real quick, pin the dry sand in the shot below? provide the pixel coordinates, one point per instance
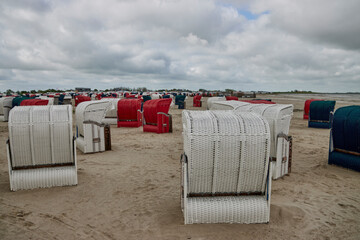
(133, 191)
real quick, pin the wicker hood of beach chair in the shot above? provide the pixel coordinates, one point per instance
(41, 147)
(344, 149)
(226, 175)
(90, 136)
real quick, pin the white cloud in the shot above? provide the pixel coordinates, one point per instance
(307, 44)
(194, 40)
(335, 21)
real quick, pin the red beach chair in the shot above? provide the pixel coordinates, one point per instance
(129, 113)
(197, 101)
(156, 117)
(131, 96)
(81, 98)
(228, 98)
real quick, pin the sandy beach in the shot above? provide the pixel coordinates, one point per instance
(133, 191)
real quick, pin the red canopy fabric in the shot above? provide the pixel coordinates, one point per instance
(152, 107)
(127, 109)
(34, 102)
(197, 101)
(81, 98)
(228, 98)
(130, 96)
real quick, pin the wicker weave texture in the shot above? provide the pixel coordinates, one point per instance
(211, 100)
(90, 130)
(2, 105)
(155, 96)
(93, 139)
(281, 165)
(43, 178)
(278, 117)
(224, 148)
(239, 209)
(90, 111)
(111, 113)
(41, 136)
(228, 153)
(227, 105)
(5, 107)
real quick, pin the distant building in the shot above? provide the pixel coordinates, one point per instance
(82, 89)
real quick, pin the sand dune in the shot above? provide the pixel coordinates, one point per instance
(133, 192)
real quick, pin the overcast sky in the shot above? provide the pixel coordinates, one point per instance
(271, 45)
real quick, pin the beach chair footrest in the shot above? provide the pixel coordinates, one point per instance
(230, 209)
(43, 178)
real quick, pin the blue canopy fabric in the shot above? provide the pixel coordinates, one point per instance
(179, 98)
(345, 134)
(346, 128)
(320, 110)
(319, 114)
(146, 98)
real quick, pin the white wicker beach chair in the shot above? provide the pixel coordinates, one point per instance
(67, 100)
(155, 96)
(226, 175)
(90, 129)
(111, 113)
(5, 107)
(227, 105)
(279, 117)
(41, 147)
(211, 100)
(2, 109)
(173, 100)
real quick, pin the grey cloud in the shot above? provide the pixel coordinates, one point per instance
(336, 22)
(185, 44)
(34, 5)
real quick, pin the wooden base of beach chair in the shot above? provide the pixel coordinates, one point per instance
(282, 162)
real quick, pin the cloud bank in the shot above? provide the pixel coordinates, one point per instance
(275, 45)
